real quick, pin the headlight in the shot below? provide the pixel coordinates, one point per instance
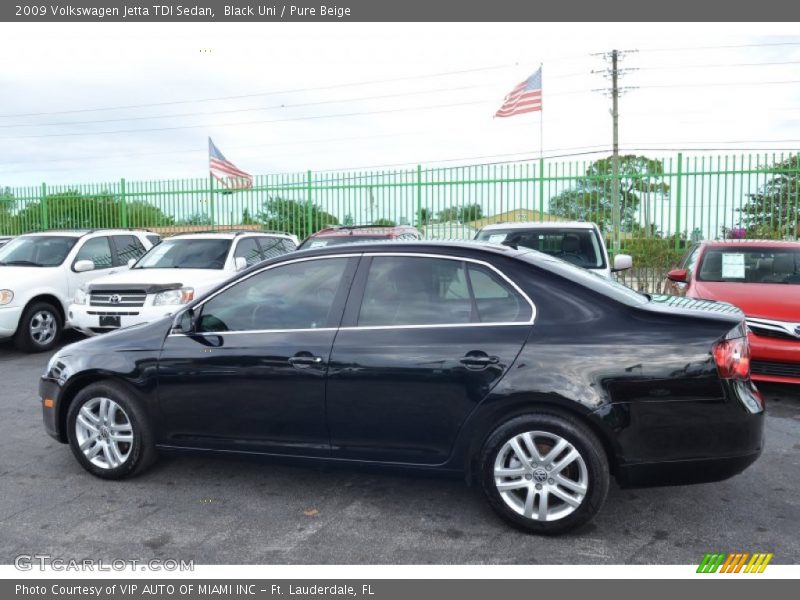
(81, 297)
(179, 296)
(6, 296)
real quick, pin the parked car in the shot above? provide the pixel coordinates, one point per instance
(178, 270)
(576, 242)
(535, 378)
(4, 240)
(763, 279)
(348, 234)
(40, 272)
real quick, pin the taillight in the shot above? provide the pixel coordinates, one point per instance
(733, 358)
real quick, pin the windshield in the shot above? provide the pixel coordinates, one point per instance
(180, 253)
(750, 265)
(580, 247)
(594, 281)
(37, 251)
(322, 242)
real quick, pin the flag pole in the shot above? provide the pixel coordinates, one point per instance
(541, 146)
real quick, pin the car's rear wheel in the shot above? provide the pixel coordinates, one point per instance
(39, 328)
(544, 473)
(108, 432)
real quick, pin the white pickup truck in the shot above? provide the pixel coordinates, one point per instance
(40, 273)
(576, 242)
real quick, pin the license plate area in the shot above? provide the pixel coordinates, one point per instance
(110, 321)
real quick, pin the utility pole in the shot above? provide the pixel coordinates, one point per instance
(615, 217)
(614, 72)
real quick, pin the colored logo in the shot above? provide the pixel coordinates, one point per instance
(739, 562)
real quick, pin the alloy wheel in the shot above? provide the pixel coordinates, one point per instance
(541, 476)
(43, 327)
(104, 433)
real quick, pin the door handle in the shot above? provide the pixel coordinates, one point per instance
(303, 360)
(478, 360)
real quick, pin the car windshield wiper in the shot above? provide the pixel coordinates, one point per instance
(20, 262)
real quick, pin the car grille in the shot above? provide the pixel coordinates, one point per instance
(121, 299)
(779, 369)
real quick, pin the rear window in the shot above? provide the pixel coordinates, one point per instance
(580, 247)
(750, 265)
(594, 281)
(182, 253)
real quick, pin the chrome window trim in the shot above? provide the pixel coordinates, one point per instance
(371, 327)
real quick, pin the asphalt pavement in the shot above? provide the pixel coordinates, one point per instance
(216, 510)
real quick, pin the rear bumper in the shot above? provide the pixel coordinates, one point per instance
(684, 472)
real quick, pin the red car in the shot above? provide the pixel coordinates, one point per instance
(347, 234)
(763, 279)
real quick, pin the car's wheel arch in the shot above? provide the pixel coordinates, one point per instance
(74, 386)
(50, 299)
(494, 416)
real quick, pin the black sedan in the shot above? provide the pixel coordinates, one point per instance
(535, 379)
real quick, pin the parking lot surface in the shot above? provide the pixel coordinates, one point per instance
(217, 510)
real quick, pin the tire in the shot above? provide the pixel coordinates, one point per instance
(519, 502)
(39, 329)
(124, 418)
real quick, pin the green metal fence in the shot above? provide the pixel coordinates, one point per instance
(664, 203)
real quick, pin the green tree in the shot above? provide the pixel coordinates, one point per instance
(73, 210)
(247, 219)
(774, 209)
(470, 212)
(7, 204)
(590, 198)
(384, 223)
(425, 216)
(449, 214)
(293, 217)
(198, 218)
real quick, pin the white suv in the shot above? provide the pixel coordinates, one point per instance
(40, 273)
(576, 242)
(173, 273)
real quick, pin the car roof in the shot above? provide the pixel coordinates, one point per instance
(82, 232)
(540, 225)
(358, 230)
(767, 243)
(226, 235)
(415, 246)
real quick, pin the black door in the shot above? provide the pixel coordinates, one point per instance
(253, 376)
(424, 340)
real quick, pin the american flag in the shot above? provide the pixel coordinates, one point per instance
(224, 171)
(524, 98)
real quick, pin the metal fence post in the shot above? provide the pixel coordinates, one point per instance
(419, 196)
(123, 207)
(45, 212)
(309, 204)
(211, 208)
(678, 202)
(541, 189)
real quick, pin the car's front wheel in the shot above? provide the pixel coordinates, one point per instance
(108, 432)
(39, 328)
(544, 473)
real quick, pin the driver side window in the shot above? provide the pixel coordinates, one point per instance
(293, 296)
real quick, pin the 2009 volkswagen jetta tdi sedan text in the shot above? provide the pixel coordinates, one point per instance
(538, 380)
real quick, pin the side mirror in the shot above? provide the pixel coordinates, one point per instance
(678, 275)
(240, 263)
(84, 265)
(622, 262)
(184, 322)
(132, 262)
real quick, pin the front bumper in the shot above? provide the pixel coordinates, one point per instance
(86, 319)
(774, 359)
(50, 398)
(9, 320)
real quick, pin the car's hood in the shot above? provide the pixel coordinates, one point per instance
(203, 278)
(11, 277)
(779, 301)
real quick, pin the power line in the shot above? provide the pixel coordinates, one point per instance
(719, 47)
(263, 94)
(715, 65)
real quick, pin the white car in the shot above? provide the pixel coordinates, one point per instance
(40, 273)
(174, 272)
(577, 242)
